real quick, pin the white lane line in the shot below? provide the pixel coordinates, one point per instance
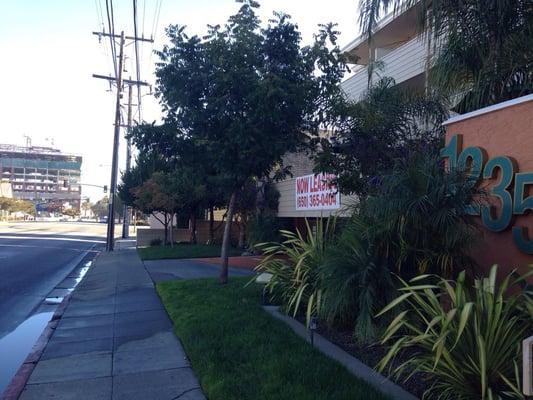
(51, 238)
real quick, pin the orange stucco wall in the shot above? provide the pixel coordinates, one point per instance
(509, 132)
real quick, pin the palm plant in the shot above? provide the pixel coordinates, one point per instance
(420, 217)
(371, 134)
(465, 337)
(294, 265)
(486, 46)
(356, 281)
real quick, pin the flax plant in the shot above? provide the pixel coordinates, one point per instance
(294, 264)
(465, 337)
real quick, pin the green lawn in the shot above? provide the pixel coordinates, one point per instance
(239, 351)
(183, 250)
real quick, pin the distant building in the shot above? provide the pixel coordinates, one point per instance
(43, 175)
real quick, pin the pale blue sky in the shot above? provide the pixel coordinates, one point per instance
(49, 55)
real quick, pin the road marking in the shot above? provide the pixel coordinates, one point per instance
(51, 238)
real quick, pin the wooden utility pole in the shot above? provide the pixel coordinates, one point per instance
(126, 216)
(110, 242)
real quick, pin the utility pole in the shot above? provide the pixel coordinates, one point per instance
(126, 217)
(110, 243)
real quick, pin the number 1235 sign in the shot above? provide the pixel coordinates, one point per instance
(512, 198)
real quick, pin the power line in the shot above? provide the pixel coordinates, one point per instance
(111, 26)
(137, 63)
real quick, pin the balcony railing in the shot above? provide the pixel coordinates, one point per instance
(401, 64)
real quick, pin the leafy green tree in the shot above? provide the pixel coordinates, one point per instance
(154, 197)
(388, 124)
(16, 205)
(101, 207)
(248, 95)
(486, 46)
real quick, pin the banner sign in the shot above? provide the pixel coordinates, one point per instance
(317, 192)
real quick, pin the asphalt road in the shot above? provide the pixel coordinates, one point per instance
(34, 258)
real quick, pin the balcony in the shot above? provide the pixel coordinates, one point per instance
(402, 63)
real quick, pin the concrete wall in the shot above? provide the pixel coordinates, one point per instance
(505, 129)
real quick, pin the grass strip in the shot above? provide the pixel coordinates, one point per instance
(183, 250)
(239, 351)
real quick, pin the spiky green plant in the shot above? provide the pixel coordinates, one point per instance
(294, 265)
(419, 217)
(356, 281)
(464, 336)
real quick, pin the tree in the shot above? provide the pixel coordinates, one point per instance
(16, 205)
(71, 212)
(86, 206)
(101, 207)
(189, 193)
(154, 197)
(486, 46)
(388, 124)
(248, 95)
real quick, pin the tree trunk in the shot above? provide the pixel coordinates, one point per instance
(211, 225)
(171, 230)
(227, 239)
(166, 229)
(193, 238)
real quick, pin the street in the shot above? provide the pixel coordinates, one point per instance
(35, 257)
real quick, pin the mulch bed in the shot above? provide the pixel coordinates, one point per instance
(371, 355)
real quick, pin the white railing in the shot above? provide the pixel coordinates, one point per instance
(401, 64)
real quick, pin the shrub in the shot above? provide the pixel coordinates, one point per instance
(419, 219)
(294, 265)
(356, 281)
(465, 336)
(262, 228)
(156, 242)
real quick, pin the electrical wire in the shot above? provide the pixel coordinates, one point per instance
(111, 25)
(137, 64)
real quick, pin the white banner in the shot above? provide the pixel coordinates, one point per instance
(317, 192)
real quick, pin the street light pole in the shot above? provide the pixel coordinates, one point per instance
(110, 244)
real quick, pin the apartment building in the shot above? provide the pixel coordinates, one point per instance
(397, 51)
(43, 175)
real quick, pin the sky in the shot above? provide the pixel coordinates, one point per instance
(49, 55)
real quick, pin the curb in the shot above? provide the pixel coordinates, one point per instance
(18, 382)
(352, 364)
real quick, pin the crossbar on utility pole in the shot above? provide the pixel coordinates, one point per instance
(125, 81)
(140, 39)
(110, 241)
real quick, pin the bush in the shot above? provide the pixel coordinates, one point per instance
(465, 336)
(262, 228)
(420, 218)
(156, 242)
(356, 281)
(294, 265)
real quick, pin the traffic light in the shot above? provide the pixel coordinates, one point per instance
(105, 188)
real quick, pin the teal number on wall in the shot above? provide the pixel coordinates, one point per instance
(471, 160)
(451, 151)
(489, 215)
(521, 205)
(511, 202)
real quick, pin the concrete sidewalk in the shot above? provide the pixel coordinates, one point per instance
(114, 341)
